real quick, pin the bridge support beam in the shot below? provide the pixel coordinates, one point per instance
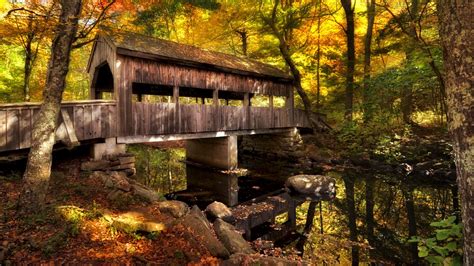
(110, 147)
(215, 152)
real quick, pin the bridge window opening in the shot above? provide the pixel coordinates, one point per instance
(231, 98)
(188, 100)
(189, 95)
(151, 93)
(103, 82)
(106, 95)
(279, 101)
(236, 103)
(260, 100)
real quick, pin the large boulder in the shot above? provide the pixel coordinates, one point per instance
(175, 208)
(117, 181)
(202, 233)
(311, 187)
(135, 221)
(232, 240)
(143, 191)
(113, 180)
(219, 210)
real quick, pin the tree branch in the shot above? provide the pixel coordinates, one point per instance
(11, 11)
(86, 31)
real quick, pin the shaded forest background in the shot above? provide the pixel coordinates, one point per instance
(374, 67)
(394, 83)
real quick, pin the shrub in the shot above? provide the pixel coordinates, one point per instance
(445, 247)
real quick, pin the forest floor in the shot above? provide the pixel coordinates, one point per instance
(84, 236)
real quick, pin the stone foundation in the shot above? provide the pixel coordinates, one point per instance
(121, 163)
(110, 147)
(283, 145)
(215, 152)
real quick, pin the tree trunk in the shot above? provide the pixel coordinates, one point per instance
(407, 104)
(411, 215)
(283, 38)
(244, 39)
(318, 61)
(349, 184)
(307, 227)
(350, 37)
(38, 170)
(29, 60)
(457, 38)
(369, 212)
(297, 77)
(367, 58)
(407, 92)
(27, 68)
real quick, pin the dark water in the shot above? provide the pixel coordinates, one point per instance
(369, 221)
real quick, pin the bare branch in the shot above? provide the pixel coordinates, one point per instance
(81, 44)
(334, 19)
(85, 32)
(25, 10)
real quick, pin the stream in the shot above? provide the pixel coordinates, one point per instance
(370, 221)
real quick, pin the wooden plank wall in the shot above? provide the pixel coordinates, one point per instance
(129, 70)
(153, 72)
(300, 119)
(91, 120)
(170, 118)
(102, 52)
(98, 119)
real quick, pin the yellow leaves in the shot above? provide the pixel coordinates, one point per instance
(4, 7)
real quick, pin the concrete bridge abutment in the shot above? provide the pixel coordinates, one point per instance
(215, 152)
(108, 148)
(285, 145)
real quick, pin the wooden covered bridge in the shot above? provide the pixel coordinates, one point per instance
(145, 89)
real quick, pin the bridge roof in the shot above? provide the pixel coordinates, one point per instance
(141, 46)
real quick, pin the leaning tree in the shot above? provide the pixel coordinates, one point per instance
(38, 170)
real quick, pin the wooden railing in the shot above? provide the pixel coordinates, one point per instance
(170, 118)
(84, 119)
(94, 119)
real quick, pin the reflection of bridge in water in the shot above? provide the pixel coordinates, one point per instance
(255, 201)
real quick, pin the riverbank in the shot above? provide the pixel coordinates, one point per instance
(408, 185)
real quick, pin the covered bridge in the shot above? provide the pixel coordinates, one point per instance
(145, 89)
(163, 87)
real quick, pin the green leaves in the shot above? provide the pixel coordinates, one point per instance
(444, 223)
(442, 234)
(445, 247)
(423, 251)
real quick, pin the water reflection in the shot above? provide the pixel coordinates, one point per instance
(224, 187)
(373, 218)
(370, 221)
(161, 169)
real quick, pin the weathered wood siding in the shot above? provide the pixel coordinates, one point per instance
(154, 72)
(102, 52)
(170, 118)
(90, 119)
(300, 119)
